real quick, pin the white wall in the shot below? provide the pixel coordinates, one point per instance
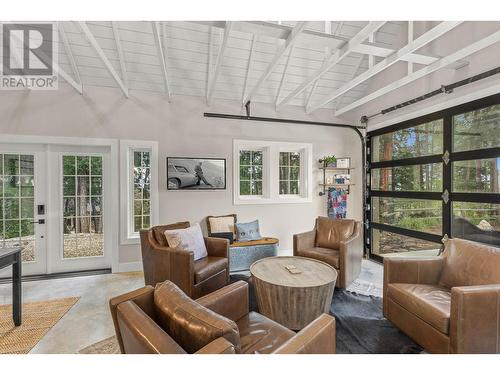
(181, 130)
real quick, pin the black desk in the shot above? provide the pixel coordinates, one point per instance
(12, 257)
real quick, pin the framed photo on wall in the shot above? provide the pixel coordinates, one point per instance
(196, 173)
(344, 163)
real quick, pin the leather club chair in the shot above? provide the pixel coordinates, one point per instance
(450, 303)
(164, 320)
(337, 242)
(196, 278)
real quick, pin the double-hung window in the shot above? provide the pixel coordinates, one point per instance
(272, 172)
(139, 188)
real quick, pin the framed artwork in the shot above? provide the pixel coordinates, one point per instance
(196, 173)
(344, 163)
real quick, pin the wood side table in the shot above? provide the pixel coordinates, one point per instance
(293, 300)
(12, 256)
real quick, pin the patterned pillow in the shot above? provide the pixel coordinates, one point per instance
(188, 239)
(221, 224)
(248, 231)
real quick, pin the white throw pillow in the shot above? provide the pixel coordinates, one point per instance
(222, 224)
(188, 239)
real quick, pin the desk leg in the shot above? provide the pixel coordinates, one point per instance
(17, 290)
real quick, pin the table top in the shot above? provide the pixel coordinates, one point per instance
(262, 241)
(9, 251)
(313, 272)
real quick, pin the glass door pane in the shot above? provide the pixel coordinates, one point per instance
(82, 200)
(17, 203)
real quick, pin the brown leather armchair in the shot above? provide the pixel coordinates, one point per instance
(450, 303)
(163, 320)
(337, 242)
(196, 278)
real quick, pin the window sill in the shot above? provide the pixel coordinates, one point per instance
(131, 240)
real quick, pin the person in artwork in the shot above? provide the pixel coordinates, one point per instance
(199, 175)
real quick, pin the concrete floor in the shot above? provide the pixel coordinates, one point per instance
(89, 320)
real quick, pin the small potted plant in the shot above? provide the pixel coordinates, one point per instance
(329, 161)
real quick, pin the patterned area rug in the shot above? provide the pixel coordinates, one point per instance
(38, 318)
(106, 346)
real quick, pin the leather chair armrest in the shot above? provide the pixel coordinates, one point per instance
(143, 297)
(218, 346)
(475, 319)
(318, 337)
(230, 301)
(217, 247)
(351, 255)
(140, 333)
(303, 241)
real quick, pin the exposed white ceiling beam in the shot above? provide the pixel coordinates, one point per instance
(283, 76)
(421, 41)
(371, 58)
(354, 72)
(69, 52)
(218, 63)
(121, 57)
(161, 57)
(249, 68)
(97, 48)
(210, 54)
(292, 37)
(441, 63)
(340, 54)
(410, 39)
(315, 84)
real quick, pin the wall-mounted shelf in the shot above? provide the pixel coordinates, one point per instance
(325, 185)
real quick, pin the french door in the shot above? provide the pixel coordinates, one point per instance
(53, 204)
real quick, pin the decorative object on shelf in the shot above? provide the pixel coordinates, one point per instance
(342, 179)
(196, 174)
(344, 163)
(329, 161)
(337, 203)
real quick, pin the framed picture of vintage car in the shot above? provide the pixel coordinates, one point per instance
(185, 173)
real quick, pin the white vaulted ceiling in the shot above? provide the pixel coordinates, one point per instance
(258, 59)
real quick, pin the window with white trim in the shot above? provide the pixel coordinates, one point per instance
(139, 188)
(272, 172)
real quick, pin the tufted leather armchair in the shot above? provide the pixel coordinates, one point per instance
(196, 278)
(164, 320)
(450, 303)
(337, 242)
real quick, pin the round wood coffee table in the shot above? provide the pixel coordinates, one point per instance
(293, 299)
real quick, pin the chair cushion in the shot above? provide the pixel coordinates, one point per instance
(330, 232)
(260, 335)
(190, 324)
(470, 263)
(430, 303)
(159, 231)
(205, 268)
(329, 256)
(188, 239)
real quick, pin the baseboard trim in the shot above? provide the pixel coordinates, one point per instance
(130, 267)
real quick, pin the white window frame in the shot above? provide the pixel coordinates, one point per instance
(270, 171)
(127, 149)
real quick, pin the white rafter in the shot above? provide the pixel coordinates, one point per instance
(354, 72)
(290, 40)
(161, 57)
(421, 41)
(315, 84)
(410, 39)
(340, 54)
(249, 67)
(210, 53)
(218, 63)
(283, 76)
(441, 63)
(97, 48)
(69, 52)
(121, 57)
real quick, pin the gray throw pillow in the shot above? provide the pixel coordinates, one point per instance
(248, 231)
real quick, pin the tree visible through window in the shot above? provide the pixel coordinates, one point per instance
(142, 189)
(289, 173)
(251, 172)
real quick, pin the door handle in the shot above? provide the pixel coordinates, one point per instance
(39, 221)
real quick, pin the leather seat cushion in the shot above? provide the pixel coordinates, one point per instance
(260, 335)
(430, 303)
(330, 232)
(205, 268)
(329, 256)
(190, 324)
